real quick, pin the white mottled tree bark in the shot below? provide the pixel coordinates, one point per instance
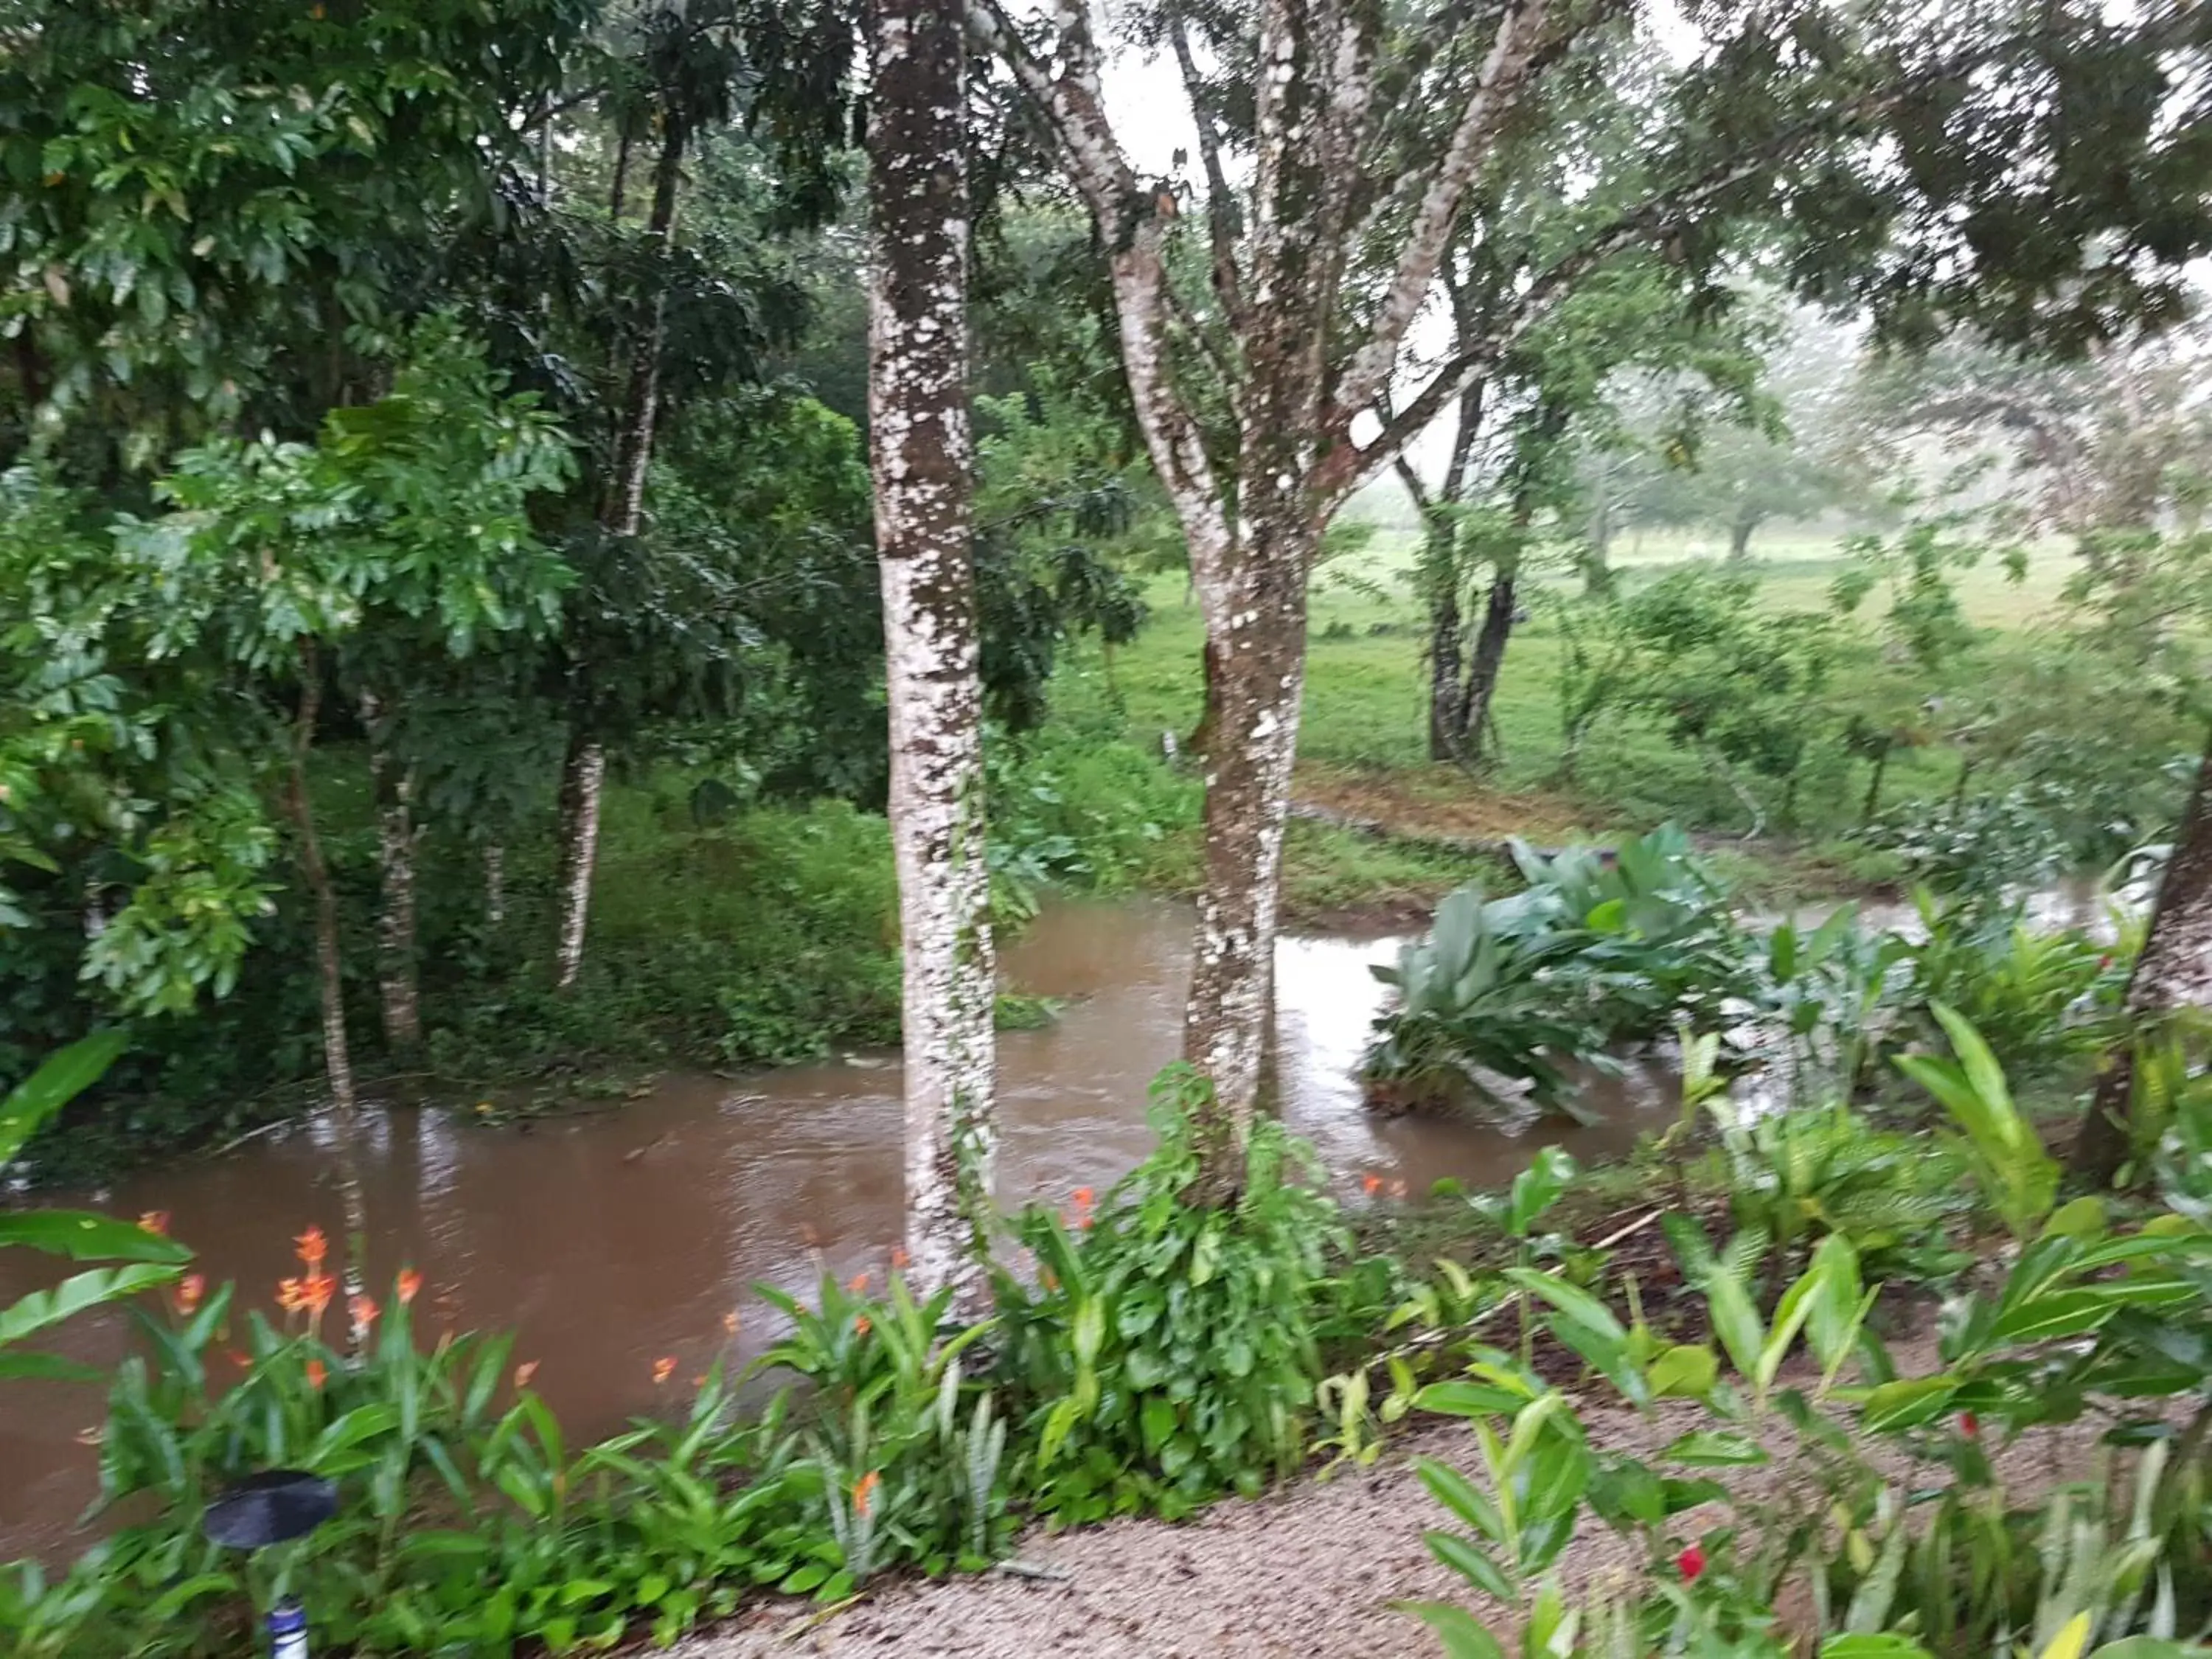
(583, 783)
(391, 783)
(2175, 972)
(922, 455)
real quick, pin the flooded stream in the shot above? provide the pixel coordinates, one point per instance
(613, 1238)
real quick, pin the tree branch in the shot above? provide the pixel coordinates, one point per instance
(1220, 202)
(1513, 53)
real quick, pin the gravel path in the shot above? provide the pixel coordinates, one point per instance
(1308, 1571)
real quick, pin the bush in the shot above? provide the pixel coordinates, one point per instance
(1593, 950)
(1166, 1354)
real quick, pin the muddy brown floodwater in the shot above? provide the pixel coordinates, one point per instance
(609, 1239)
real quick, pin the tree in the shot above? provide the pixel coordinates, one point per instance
(1319, 267)
(922, 451)
(2173, 973)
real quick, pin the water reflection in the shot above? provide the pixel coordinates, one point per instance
(612, 1237)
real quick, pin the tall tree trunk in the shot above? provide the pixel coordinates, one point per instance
(1252, 710)
(583, 773)
(1740, 531)
(922, 453)
(1597, 556)
(1872, 803)
(583, 781)
(1447, 700)
(2173, 972)
(330, 968)
(392, 785)
(1489, 658)
(494, 860)
(625, 502)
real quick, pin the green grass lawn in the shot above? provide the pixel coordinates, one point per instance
(1363, 720)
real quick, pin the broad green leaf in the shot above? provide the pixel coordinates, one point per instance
(59, 1081)
(1461, 1496)
(1884, 1646)
(84, 1236)
(1907, 1403)
(1470, 1563)
(2072, 1639)
(1461, 1633)
(46, 1367)
(74, 1295)
(1714, 1449)
(1455, 1398)
(1686, 1371)
(1578, 1303)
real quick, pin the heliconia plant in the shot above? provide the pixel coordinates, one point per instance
(148, 1257)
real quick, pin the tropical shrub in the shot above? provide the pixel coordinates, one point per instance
(1474, 1010)
(150, 1259)
(2028, 993)
(2083, 1321)
(1166, 1354)
(1656, 938)
(911, 1452)
(1595, 949)
(1798, 1175)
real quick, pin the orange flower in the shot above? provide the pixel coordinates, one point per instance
(730, 1322)
(313, 1246)
(365, 1313)
(663, 1369)
(523, 1373)
(863, 1489)
(411, 1283)
(1087, 1222)
(899, 1258)
(316, 1374)
(1082, 1195)
(1370, 1184)
(858, 1285)
(316, 1292)
(290, 1296)
(861, 1326)
(156, 1222)
(190, 1289)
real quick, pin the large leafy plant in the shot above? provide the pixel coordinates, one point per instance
(1476, 1013)
(1167, 1350)
(148, 1259)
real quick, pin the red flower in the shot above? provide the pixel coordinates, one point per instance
(313, 1246)
(858, 1285)
(1082, 1196)
(190, 1289)
(411, 1283)
(863, 1489)
(1969, 1425)
(1690, 1563)
(1370, 1184)
(156, 1222)
(899, 1258)
(365, 1313)
(861, 1326)
(316, 1374)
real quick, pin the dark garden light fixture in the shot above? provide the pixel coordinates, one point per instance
(277, 1506)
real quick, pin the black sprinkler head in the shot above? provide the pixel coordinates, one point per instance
(274, 1507)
